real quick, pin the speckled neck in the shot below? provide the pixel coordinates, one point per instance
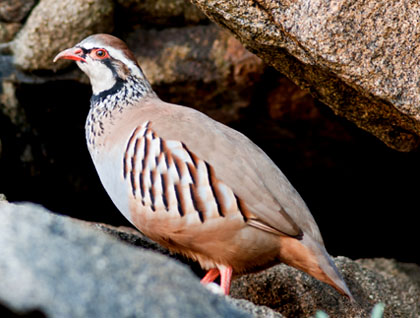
(123, 95)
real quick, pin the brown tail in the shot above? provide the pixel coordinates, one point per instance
(312, 258)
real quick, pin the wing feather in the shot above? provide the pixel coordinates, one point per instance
(274, 205)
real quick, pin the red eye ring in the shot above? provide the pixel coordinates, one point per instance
(100, 53)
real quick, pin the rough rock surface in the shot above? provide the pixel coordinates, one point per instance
(293, 293)
(360, 58)
(160, 12)
(15, 10)
(332, 164)
(201, 66)
(255, 311)
(46, 32)
(8, 31)
(44, 254)
(62, 268)
(301, 296)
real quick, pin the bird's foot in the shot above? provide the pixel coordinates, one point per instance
(226, 276)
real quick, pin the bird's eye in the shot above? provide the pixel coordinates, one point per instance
(101, 53)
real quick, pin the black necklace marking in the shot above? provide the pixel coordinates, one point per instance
(98, 98)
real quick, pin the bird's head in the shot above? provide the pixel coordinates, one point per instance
(106, 60)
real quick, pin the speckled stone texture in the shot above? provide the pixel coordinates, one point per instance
(359, 57)
(60, 267)
(295, 294)
(15, 10)
(12, 13)
(8, 31)
(183, 63)
(55, 25)
(292, 293)
(161, 12)
(43, 254)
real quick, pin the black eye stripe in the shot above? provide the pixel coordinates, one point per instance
(85, 51)
(88, 51)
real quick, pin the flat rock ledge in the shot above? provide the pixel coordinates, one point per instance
(56, 266)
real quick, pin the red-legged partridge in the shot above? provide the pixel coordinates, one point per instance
(191, 183)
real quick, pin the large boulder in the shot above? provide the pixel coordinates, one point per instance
(55, 25)
(62, 268)
(293, 293)
(360, 58)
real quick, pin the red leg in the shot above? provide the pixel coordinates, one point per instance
(211, 275)
(226, 277)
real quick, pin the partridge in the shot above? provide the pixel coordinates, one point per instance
(188, 182)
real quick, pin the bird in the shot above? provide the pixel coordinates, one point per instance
(190, 183)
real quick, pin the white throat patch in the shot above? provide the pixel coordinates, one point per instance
(101, 76)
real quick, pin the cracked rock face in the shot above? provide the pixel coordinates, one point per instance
(360, 58)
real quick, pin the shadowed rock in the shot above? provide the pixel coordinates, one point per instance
(160, 12)
(15, 10)
(202, 66)
(293, 293)
(55, 25)
(60, 267)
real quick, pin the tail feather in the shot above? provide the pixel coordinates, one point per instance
(332, 276)
(312, 258)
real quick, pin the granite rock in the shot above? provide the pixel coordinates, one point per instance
(360, 58)
(201, 66)
(59, 267)
(160, 13)
(56, 266)
(8, 31)
(15, 10)
(295, 294)
(292, 293)
(254, 310)
(46, 32)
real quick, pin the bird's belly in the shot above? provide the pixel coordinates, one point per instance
(225, 240)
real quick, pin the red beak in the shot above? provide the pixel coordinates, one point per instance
(73, 53)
